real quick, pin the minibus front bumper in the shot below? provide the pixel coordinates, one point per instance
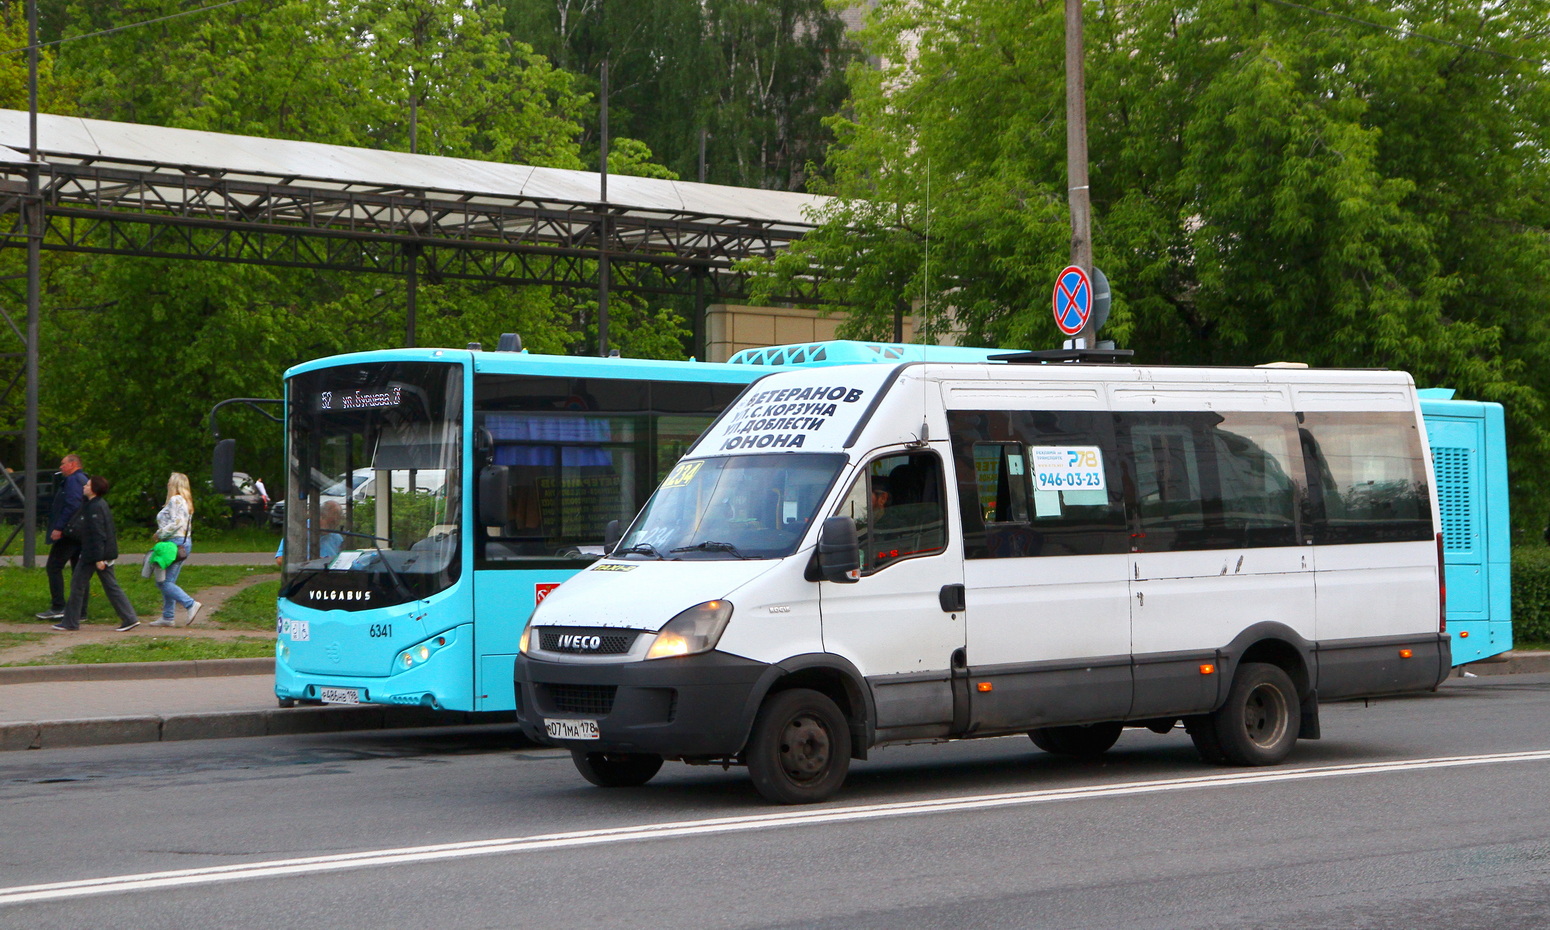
(694, 706)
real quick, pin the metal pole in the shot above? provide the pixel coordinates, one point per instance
(1076, 155)
(34, 214)
(602, 227)
(411, 293)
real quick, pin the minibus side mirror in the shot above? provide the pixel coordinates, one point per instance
(611, 536)
(221, 467)
(839, 555)
(494, 493)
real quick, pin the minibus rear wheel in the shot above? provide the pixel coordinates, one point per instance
(616, 769)
(1082, 742)
(799, 750)
(1259, 723)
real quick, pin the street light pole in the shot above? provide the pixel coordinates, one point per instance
(1078, 194)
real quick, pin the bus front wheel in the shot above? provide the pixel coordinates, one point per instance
(1258, 725)
(799, 751)
(616, 769)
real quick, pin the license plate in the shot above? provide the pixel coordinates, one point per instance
(339, 695)
(572, 729)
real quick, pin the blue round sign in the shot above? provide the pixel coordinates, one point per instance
(1073, 300)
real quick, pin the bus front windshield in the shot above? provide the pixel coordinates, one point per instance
(732, 507)
(373, 491)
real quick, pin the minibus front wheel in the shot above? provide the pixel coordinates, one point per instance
(799, 750)
(616, 769)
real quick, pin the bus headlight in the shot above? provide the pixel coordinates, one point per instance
(696, 630)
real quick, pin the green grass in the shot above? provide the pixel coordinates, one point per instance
(7, 640)
(252, 608)
(24, 591)
(158, 649)
(218, 538)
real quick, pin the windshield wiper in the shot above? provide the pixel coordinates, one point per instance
(639, 549)
(710, 545)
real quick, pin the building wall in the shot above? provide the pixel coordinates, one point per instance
(731, 328)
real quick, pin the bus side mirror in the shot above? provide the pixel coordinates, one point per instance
(839, 555)
(494, 494)
(612, 533)
(220, 468)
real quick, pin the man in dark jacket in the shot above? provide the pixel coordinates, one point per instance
(99, 550)
(63, 549)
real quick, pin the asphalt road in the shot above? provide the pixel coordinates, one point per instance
(1422, 812)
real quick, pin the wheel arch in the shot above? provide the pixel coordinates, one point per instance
(1275, 644)
(829, 675)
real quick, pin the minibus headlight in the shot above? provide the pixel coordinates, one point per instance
(696, 630)
(527, 631)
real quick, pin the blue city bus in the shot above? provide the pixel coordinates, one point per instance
(1469, 455)
(434, 496)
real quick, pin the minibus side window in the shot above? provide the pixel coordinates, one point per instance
(1367, 476)
(1006, 514)
(1212, 480)
(899, 509)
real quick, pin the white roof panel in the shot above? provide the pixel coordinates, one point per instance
(67, 138)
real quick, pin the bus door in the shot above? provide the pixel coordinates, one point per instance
(902, 623)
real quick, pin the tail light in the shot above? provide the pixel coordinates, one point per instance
(1442, 590)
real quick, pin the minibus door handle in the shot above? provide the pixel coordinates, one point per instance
(951, 597)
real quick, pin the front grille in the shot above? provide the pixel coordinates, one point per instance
(583, 641)
(597, 700)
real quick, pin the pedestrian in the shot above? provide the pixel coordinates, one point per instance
(63, 549)
(93, 526)
(263, 493)
(175, 524)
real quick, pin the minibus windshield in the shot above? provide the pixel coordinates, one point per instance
(732, 507)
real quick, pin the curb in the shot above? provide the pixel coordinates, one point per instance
(126, 671)
(104, 731)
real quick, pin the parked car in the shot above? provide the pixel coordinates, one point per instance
(13, 505)
(246, 504)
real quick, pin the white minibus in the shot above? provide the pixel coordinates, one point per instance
(852, 557)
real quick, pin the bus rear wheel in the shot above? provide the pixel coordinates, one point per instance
(1082, 742)
(616, 769)
(1259, 723)
(799, 751)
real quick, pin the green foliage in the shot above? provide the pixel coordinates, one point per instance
(758, 77)
(1267, 183)
(1530, 595)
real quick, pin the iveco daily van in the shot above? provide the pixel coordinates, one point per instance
(852, 557)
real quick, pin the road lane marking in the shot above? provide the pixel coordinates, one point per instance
(310, 865)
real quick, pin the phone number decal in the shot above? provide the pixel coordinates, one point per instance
(1067, 468)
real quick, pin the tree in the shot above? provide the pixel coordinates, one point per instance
(154, 344)
(1365, 189)
(757, 76)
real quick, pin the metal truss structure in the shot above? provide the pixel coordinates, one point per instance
(125, 189)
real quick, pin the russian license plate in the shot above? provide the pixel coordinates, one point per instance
(572, 729)
(339, 695)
